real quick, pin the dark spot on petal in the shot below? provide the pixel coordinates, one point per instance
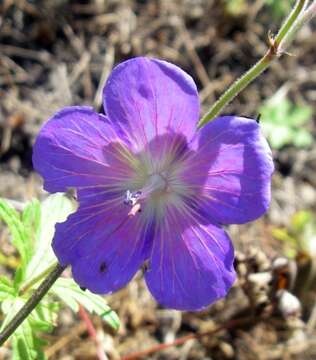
(83, 288)
(144, 92)
(102, 267)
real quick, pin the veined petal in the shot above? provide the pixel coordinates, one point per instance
(78, 147)
(104, 246)
(233, 168)
(190, 267)
(145, 98)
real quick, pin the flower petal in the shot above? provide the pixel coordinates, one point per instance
(77, 147)
(104, 246)
(190, 268)
(233, 165)
(147, 97)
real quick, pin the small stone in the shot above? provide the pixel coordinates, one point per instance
(288, 304)
(260, 279)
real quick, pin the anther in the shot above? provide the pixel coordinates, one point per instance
(131, 197)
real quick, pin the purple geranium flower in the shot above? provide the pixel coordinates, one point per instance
(151, 188)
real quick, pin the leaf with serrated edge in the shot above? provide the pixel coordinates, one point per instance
(12, 218)
(71, 294)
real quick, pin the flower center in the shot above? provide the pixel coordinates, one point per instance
(156, 184)
(155, 189)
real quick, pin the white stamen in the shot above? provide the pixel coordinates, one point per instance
(134, 199)
(131, 197)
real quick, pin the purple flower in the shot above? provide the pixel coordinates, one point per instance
(152, 189)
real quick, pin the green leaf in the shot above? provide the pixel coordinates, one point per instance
(23, 344)
(279, 9)
(303, 139)
(18, 277)
(279, 136)
(19, 236)
(282, 122)
(31, 215)
(6, 288)
(37, 255)
(32, 233)
(45, 315)
(10, 306)
(56, 208)
(71, 294)
(26, 341)
(31, 219)
(26, 344)
(300, 115)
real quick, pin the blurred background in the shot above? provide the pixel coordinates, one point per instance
(59, 53)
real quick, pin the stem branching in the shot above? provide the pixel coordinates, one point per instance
(276, 49)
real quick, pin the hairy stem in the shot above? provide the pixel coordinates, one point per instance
(237, 87)
(273, 52)
(29, 306)
(289, 22)
(304, 18)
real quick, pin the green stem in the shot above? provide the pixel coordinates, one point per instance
(285, 28)
(304, 18)
(29, 284)
(29, 306)
(272, 53)
(236, 88)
